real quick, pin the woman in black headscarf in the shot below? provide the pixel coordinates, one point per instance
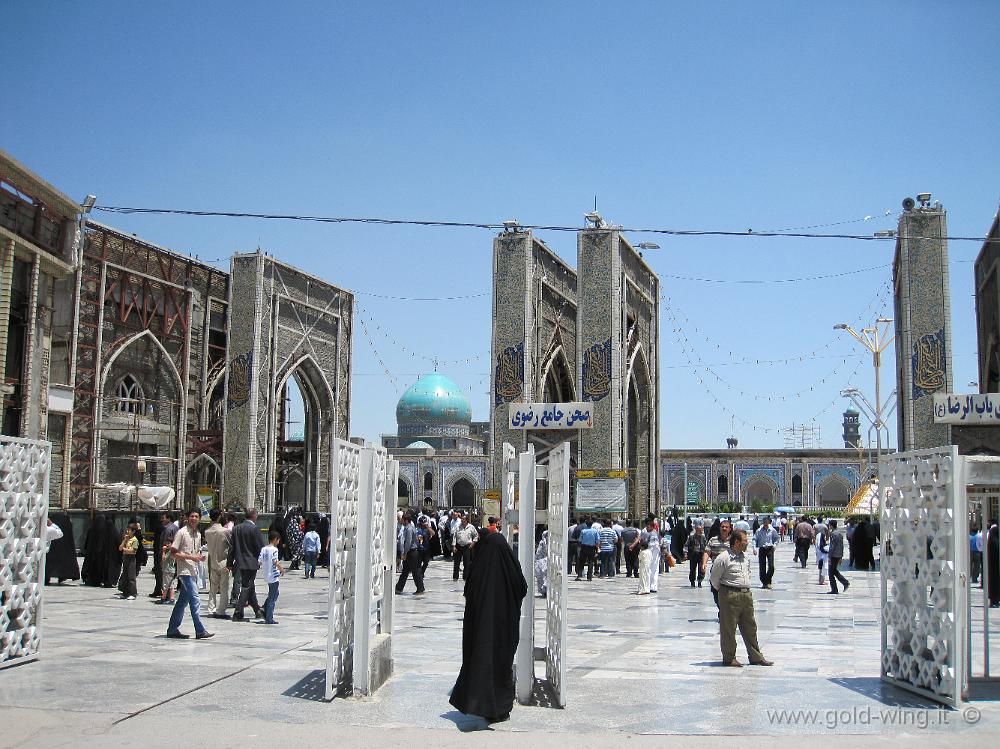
(95, 567)
(60, 560)
(113, 557)
(493, 594)
(679, 537)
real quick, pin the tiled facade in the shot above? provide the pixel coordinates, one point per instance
(923, 325)
(797, 478)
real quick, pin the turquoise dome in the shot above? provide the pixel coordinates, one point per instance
(433, 399)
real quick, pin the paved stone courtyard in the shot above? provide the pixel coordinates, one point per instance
(641, 665)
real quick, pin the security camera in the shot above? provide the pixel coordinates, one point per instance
(924, 198)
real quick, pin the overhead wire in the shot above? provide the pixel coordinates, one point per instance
(492, 225)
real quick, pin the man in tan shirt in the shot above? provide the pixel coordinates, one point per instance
(217, 539)
(731, 577)
(186, 551)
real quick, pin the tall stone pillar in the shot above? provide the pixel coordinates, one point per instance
(618, 359)
(923, 323)
(513, 340)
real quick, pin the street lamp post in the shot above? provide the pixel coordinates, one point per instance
(875, 339)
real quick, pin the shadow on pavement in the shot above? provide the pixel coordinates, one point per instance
(311, 687)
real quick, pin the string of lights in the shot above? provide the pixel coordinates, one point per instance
(496, 226)
(378, 358)
(689, 354)
(877, 299)
(436, 360)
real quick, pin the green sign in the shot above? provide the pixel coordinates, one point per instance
(692, 493)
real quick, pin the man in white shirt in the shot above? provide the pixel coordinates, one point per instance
(186, 551)
(465, 539)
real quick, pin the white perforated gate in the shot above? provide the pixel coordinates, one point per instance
(925, 555)
(557, 522)
(361, 560)
(555, 603)
(24, 503)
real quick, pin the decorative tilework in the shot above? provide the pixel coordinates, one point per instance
(775, 473)
(597, 372)
(929, 362)
(819, 473)
(509, 376)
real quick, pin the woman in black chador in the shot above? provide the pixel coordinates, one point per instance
(95, 565)
(60, 559)
(493, 595)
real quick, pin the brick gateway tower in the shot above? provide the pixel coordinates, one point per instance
(588, 335)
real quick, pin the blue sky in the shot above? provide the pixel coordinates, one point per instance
(680, 115)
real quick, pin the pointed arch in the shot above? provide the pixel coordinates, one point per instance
(131, 341)
(556, 385)
(834, 489)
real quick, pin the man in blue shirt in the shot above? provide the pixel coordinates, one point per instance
(409, 549)
(764, 540)
(589, 539)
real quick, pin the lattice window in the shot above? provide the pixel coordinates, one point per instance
(130, 398)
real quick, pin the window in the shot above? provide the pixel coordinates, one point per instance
(428, 481)
(723, 485)
(131, 399)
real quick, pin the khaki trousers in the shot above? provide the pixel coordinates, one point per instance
(736, 610)
(218, 587)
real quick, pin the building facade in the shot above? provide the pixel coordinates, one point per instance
(40, 245)
(755, 478)
(590, 334)
(441, 451)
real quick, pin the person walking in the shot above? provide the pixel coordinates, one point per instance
(975, 555)
(310, 551)
(804, 534)
(218, 540)
(835, 552)
(618, 528)
(158, 556)
(493, 594)
(821, 532)
(589, 540)
(764, 541)
(409, 551)
(641, 546)
(696, 553)
(466, 536)
(186, 552)
(244, 555)
(272, 569)
(653, 529)
(731, 577)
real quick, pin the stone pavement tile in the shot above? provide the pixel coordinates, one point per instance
(634, 664)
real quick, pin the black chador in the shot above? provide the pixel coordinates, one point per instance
(95, 566)
(493, 594)
(60, 560)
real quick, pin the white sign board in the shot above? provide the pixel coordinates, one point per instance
(602, 495)
(551, 415)
(976, 408)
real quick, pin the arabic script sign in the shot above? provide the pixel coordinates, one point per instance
(978, 408)
(551, 415)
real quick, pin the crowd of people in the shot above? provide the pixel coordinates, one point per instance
(226, 557)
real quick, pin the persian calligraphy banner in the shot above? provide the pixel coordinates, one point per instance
(974, 408)
(551, 415)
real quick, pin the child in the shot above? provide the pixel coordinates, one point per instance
(310, 551)
(268, 562)
(128, 547)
